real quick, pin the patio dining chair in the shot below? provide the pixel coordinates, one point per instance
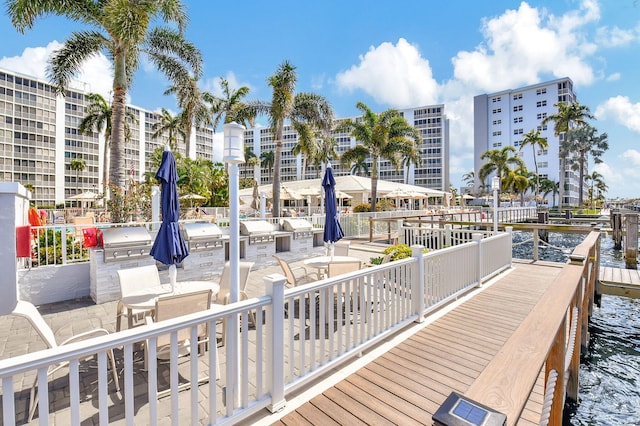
(135, 279)
(174, 306)
(341, 248)
(224, 294)
(289, 272)
(339, 268)
(30, 312)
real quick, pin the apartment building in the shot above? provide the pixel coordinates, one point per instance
(502, 118)
(432, 172)
(39, 138)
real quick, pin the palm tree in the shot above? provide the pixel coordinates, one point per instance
(169, 126)
(498, 162)
(517, 182)
(248, 157)
(195, 111)
(533, 139)
(469, 178)
(78, 165)
(300, 108)
(267, 160)
(409, 158)
(569, 115)
(98, 118)
(547, 186)
(327, 150)
(307, 146)
(122, 31)
(594, 179)
(359, 165)
(387, 135)
(231, 106)
(584, 141)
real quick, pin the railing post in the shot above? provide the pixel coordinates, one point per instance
(418, 295)
(555, 361)
(447, 235)
(477, 237)
(509, 230)
(370, 229)
(274, 286)
(401, 234)
(536, 238)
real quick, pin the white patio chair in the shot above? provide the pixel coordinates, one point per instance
(224, 294)
(341, 248)
(30, 312)
(174, 306)
(135, 279)
(293, 279)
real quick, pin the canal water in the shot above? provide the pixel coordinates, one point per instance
(610, 373)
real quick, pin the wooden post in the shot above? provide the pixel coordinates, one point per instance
(631, 240)
(370, 229)
(555, 361)
(616, 225)
(536, 236)
(543, 217)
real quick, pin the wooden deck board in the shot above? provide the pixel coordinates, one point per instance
(409, 382)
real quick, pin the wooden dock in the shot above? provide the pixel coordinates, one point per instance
(619, 282)
(407, 384)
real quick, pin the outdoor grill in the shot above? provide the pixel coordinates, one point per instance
(258, 231)
(301, 228)
(125, 243)
(202, 235)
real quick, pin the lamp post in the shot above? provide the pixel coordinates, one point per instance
(233, 155)
(495, 185)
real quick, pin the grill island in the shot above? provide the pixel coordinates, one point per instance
(125, 243)
(206, 251)
(124, 247)
(261, 239)
(301, 240)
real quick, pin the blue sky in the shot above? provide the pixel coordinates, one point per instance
(403, 54)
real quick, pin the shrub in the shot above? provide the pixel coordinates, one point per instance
(400, 251)
(360, 208)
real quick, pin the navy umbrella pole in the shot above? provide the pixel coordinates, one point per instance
(332, 229)
(169, 246)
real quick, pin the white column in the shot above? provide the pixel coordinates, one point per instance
(14, 206)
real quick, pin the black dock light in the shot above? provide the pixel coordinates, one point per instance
(457, 410)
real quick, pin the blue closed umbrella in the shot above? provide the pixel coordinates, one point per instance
(332, 229)
(169, 246)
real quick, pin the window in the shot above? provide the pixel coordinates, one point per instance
(541, 128)
(497, 144)
(517, 108)
(541, 116)
(497, 110)
(517, 119)
(517, 143)
(541, 91)
(517, 96)
(496, 99)
(543, 151)
(543, 164)
(518, 131)
(497, 133)
(495, 122)
(541, 104)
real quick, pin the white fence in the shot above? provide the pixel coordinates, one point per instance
(297, 335)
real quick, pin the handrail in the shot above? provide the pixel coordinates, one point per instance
(506, 383)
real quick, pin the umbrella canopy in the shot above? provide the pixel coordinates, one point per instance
(169, 246)
(192, 197)
(84, 196)
(332, 229)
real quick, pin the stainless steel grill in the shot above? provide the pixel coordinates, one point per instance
(258, 231)
(201, 236)
(125, 243)
(301, 228)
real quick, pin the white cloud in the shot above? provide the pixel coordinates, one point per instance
(396, 75)
(213, 86)
(97, 72)
(616, 37)
(621, 110)
(614, 77)
(523, 46)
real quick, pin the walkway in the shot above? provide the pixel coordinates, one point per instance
(408, 382)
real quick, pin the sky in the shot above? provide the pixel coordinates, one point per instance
(400, 54)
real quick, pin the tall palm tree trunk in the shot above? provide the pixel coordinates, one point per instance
(276, 171)
(374, 182)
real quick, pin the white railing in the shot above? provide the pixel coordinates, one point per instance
(298, 334)
(437, 238)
